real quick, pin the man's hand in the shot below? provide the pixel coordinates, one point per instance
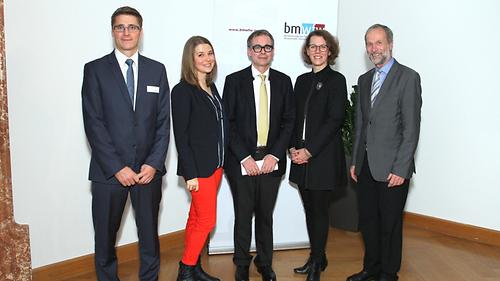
(147, 174)
(395, 180)
(127, 177)
(269, 164)
(301, 156)
(251, 167)
(353, 173)
(192, 184)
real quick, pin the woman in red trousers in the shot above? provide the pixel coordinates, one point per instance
(199, 129)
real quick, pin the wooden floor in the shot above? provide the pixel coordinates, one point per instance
(427, 256)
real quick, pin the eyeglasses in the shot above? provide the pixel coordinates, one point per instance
(313, 48)
(131, 28)
(259, 48)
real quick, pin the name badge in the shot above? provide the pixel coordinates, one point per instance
(153, 89)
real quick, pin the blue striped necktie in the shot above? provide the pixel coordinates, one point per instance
(130, 79)
(377, 82)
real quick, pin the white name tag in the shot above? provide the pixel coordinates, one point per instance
(153, 89)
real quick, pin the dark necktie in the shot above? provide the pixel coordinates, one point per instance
(130, 79)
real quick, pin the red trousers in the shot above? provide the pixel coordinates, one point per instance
(202, 216)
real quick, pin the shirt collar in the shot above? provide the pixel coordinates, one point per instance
(385, 69)
(121, 58)
(256, 73)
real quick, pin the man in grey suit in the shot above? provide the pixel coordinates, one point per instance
(387, 131)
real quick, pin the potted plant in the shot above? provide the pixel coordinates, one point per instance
(344, 205)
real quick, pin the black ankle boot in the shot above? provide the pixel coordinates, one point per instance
(186, 272)
(305, 268)
(201, 275)
(314, 271)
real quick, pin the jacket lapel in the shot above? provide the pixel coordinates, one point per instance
(141, 87)
(250, 99)
(366, 90)
(272, 101)
(384, 90)
(117, 74)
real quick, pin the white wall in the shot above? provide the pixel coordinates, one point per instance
(451, 44)
(47, 44)
(454, 47)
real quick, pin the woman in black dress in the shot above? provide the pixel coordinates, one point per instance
(317, 150)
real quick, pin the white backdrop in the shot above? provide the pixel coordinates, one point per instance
(233, 22)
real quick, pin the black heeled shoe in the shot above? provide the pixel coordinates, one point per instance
(186, 272)
(305, 268)
(314, 271)
(201, 275)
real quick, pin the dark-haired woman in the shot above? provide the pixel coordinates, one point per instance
(317, 151)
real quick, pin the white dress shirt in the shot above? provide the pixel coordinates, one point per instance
(121, 58)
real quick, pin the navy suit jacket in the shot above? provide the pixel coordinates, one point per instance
(239, 104)
(118, 135)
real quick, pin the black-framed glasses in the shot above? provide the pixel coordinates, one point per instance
(259, 48)
(313, 47)
(131, 28)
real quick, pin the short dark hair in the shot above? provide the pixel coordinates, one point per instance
(259, 32)
(331, 42)
(188, 70)
(387, 30)
(126, 10)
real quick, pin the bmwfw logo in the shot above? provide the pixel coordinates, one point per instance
(300, 31)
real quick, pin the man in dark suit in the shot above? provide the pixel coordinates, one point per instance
(387, 132)
(259, 106)
(125, 100)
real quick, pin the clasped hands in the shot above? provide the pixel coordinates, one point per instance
(299, 156)
(253, 169)
(127, 177)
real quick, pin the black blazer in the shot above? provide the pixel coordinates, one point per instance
(118, 135)
(196, 131)
(326, 169)
(239, 102)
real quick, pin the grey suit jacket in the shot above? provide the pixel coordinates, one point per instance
(390, 130)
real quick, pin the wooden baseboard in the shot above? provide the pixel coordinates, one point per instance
(85, 264)
(459, 230)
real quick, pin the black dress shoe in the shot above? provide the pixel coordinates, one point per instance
(314, 271)
(186, 272)
(305, 268)
(362, 276)
(241, 273)
(267, 273)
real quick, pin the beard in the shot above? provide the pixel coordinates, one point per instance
(380, 58)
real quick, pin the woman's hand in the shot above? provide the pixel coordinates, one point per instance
(192, 184)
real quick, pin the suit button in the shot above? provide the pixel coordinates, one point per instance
(133, 145)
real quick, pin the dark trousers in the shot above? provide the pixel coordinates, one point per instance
(381, 222)
(316, 208)
(108, 202)
(254, 195)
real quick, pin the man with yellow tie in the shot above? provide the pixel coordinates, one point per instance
(259, 108)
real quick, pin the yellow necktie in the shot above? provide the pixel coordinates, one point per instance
(263, 117)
